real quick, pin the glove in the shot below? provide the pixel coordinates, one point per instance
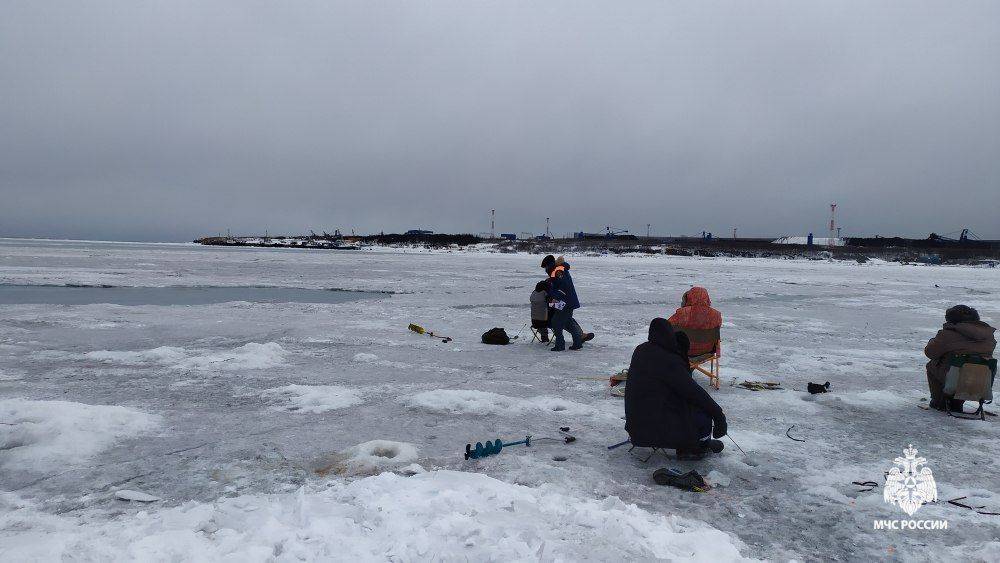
(720, 428)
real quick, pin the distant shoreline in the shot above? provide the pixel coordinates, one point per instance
(927, 251)
(919, 251)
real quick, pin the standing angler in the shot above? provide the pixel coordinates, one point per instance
(563, 299)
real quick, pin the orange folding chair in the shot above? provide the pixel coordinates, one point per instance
(707, 337)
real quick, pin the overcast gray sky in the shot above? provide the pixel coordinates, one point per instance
(167, 120)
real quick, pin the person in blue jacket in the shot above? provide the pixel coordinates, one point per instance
(563, 299)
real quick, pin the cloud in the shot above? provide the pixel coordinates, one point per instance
(166, 121)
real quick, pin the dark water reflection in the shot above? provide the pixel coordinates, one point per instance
(76, 295)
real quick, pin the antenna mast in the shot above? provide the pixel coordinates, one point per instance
(833, 222)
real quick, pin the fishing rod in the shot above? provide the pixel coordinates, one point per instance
(520, 331)
(737, 446)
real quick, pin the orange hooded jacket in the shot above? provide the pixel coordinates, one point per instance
(696, 312)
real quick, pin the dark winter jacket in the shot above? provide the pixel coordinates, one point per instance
(539, 306)
(561, 286)
(661, 394)
(967, 337)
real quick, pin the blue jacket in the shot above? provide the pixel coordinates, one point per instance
(561, 288)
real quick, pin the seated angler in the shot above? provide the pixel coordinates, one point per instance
(696, 318)
(664, 406)
(702, 325)
(962, 333)
(540, 310)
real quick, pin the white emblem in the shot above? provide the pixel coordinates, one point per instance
(909, 486)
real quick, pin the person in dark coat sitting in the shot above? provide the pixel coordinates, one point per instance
(962, 333)
(664, 406)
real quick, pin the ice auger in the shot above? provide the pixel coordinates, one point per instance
(421, 330)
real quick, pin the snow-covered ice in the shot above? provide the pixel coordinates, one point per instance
(38, 434)
(286, 431)
(470, 401)
(442, 515)
(313, 398)
(136, 496)
(252, 355)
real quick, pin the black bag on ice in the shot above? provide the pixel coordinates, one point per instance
(496, 336)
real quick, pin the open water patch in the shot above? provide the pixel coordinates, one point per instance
(171, 295)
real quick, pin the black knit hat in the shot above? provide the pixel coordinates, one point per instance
(961, 313)
(549, 261)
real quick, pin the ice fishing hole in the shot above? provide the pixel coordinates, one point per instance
(386, 452)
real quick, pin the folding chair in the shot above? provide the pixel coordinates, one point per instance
(537, 336)
(970, 378)
(652, 452)
(705, 336)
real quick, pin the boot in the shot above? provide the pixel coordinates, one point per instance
(714, 446)
(690, 481)
(954, 405)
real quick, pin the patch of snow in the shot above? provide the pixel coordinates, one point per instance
(717, 478)
(161, 355)
(249, 356)
(440, 515)
(470, 401)
(817, 241)
(42, 433)
(365, 357)
(876, 399)
(312, 398)
(137, 496)
(412, 469)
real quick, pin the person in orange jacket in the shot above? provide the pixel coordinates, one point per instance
(696, 313)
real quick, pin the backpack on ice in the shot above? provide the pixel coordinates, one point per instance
(496, 336)
(970, 378)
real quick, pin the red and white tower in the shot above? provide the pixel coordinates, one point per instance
(833, 223)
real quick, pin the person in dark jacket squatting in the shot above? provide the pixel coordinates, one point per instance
(664, 406)
(963, 333)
